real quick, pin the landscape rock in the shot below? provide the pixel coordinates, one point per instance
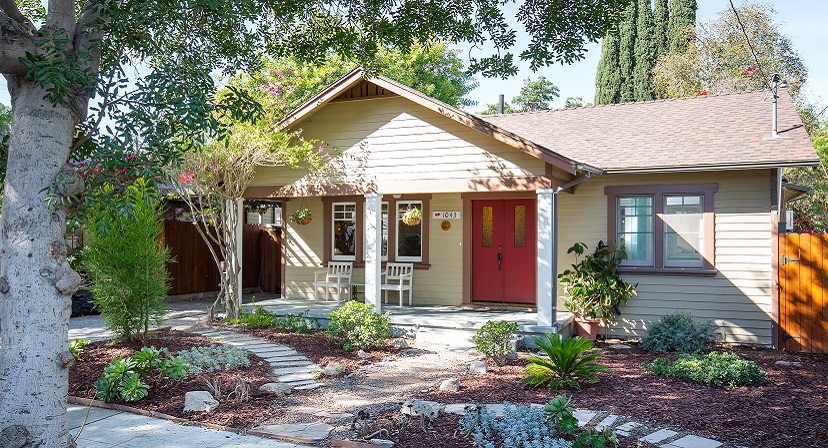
(450, 385)
(364, 355)
(382, 442)
(478, 367)
(334, 369)
(199, 401)
(619, 347)
(789, 363)
(416, 408)
(400, 343)
(279, 389)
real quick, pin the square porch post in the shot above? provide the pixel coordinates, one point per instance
(373, 249)
(547, 290)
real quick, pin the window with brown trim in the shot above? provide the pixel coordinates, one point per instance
(663, 228)
(345, 215)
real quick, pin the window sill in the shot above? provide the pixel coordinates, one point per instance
(687, 272)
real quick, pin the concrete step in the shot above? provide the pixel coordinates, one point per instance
(293, 377)
(288, 370)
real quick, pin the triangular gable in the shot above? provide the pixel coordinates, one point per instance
(355, 85)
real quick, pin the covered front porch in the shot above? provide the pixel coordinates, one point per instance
(435, 324)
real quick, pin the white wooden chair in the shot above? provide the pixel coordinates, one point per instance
(338, 275)
(398, 277)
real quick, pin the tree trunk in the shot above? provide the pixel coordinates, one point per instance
(36, 282)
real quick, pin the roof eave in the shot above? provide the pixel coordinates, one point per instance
(721, 167)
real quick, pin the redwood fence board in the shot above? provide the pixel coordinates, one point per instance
(802, 296)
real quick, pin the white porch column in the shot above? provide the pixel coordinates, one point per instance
(239, 246)
(373, 250)
(547, 289)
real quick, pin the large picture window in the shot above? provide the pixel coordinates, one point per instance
(664, 228)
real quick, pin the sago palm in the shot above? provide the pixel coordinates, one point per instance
(567, 365)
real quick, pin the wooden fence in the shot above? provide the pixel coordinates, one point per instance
(803, 301)
(194, 269)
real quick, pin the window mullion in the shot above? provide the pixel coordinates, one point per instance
(658, 229)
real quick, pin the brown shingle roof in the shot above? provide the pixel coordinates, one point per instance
(723, 131)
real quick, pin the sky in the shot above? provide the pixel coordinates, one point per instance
(803, 21)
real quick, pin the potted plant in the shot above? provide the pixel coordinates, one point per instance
(301, 216)
(412, 216)
(594, 289)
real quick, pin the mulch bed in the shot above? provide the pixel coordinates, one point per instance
(316, 347)
(789, 411)
(167, 397)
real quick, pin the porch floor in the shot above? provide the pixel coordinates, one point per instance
(470, 317)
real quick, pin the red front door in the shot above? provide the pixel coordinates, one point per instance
(504, 251)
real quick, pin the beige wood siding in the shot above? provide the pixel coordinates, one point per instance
(737, 298)
(441, 284)
(403, 147)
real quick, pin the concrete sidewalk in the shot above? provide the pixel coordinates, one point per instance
(180, 315)
(107, 428)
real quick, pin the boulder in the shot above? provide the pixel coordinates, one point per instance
(416, 408)
(334, 369)
(619, 347)
(789, 363)
(400, 343)
(279, 389)
(450, 385)
(478, 367)
(364, 355)
(199, 401)
(382, 442)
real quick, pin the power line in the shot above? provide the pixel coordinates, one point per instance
(747, 39)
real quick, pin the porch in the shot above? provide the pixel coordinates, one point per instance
(429, 324)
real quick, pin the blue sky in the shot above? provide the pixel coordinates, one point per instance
(804, 21)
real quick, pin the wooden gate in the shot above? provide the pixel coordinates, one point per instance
(194, 269)
(803, 301)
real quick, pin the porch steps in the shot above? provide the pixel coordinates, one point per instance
(287, 364)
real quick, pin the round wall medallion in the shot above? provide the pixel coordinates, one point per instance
(445, 225)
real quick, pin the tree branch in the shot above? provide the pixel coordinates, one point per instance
(15, 42)
(11, 10)
(61, 15)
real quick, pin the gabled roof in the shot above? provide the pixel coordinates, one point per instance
(689, 134)
(717, 132)
(492, 130)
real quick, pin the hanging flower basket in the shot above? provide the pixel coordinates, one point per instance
(412, 216)
(302, 217)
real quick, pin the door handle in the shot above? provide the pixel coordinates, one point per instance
(499, 259)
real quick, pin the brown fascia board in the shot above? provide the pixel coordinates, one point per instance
(696, 168)
(358, 74)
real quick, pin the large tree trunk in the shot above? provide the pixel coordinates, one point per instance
(36, 283)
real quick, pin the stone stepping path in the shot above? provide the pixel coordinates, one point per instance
(288, 365)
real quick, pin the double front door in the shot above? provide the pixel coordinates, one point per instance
(504, 251)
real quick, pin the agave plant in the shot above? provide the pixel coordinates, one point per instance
(567, 365)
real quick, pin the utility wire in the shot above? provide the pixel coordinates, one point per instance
(747, 39)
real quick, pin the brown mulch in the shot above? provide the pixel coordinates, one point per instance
(167, 396)
(316, 347)
(789, 411)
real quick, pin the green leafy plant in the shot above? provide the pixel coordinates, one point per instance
(146, 359)
(713, 369)
(595, 438)
(298, 323)
(127, 260)
(412, 216)
(594, 289)
(679, 332)
(357, 326)
(561, 411)
(214, 358)
(303, 214)
(118, 375)
(492, 340)
(259, 318)
(567, 366)
(174, 368)
(77, 347)
(131, 388)
(125, 378)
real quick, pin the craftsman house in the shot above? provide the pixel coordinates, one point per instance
(691, 186)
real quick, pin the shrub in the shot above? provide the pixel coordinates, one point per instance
(124, 377)
(492, 340)
(259, 318)
(679, 332)
(77, 347)
(214, 358)
(126, 260)
(357, 326)
(298, 323)
(712, 369)
(593, 286)
(567, 365)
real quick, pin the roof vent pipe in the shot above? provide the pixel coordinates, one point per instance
(776, 83)
(501, 104)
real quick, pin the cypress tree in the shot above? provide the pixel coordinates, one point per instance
(626, 45)
(682, 17)
(660, 21)
(644, 52)
(608, 78)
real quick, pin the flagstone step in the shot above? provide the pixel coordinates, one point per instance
(310, 368)
(296, 377)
